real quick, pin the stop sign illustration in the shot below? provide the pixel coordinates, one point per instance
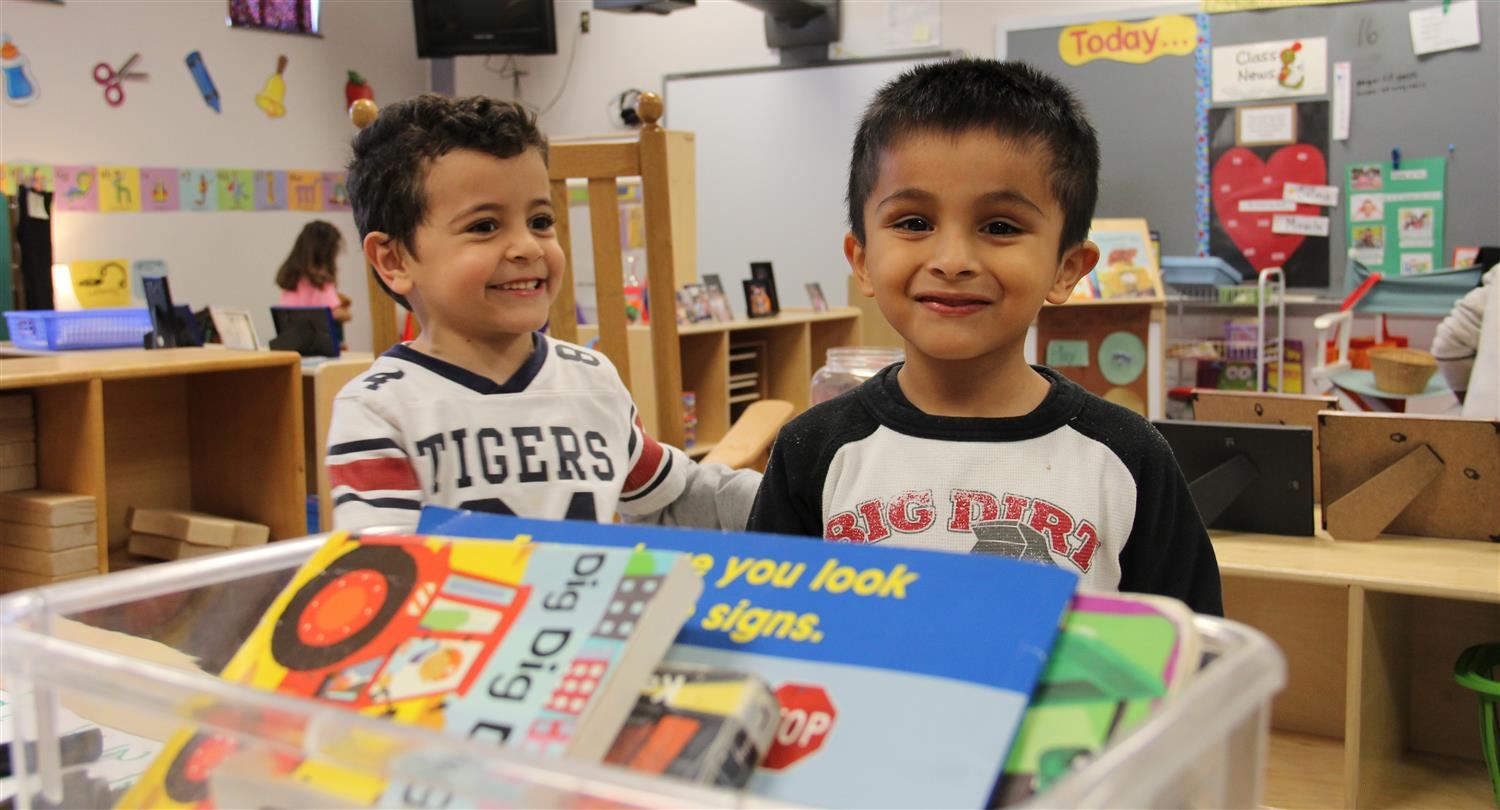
(806, 720)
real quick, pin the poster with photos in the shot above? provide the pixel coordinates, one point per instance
(1395, 216)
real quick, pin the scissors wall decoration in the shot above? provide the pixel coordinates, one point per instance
(111, 79)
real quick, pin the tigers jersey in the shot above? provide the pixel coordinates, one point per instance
(559, 439)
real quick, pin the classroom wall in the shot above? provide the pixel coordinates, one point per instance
(230, 258)
(625, 51)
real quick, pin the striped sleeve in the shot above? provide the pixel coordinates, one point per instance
(658, 472)
(370, 476)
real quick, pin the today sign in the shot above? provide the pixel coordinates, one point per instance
(1132, 42)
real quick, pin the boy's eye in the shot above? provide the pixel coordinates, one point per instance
(484, 226)
(542, 222)
(912, 224)
(998, 228)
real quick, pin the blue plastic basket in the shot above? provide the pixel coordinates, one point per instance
(49, 330)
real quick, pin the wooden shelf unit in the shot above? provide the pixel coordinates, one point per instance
(796, 345)
(1371, 716)
(214, 431)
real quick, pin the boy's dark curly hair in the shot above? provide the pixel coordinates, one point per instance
(1011, 99)
(391, 156)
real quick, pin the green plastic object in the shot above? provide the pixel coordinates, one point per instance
(1475, 670)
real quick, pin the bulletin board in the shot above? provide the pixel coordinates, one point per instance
(1146, 114)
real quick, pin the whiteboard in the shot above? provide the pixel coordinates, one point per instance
(772, 167)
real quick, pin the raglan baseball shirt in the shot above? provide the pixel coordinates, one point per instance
(559, 440)
(1079, 483)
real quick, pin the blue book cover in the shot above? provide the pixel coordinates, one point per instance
(902, 674)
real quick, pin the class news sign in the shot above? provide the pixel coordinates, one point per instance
(1133, 42)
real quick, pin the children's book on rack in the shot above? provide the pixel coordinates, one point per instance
(902, 675)
(1117, 656)
(544, 648)
(1128, 267)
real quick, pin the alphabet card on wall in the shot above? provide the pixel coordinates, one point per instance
(198, 189)
(77, 188)
(336, 191)
(235, 189)
(270, 191)
(305, 190)
(159, 189)
(119, 189)
(1248, 183)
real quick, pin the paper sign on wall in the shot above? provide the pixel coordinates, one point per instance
(1445, 27)
(1262, 206)
(270, 191)
(101, 283)
(235, 192)
(304, 191)
(1396, 216)
(1310, 194)
(335, 191)
(198, 189)
(1305, 225)
(1131, 42)
(119, 189)
(1277, 69)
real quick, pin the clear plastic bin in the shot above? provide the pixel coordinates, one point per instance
(118, 650)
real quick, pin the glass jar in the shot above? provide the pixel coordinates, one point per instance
(847, 367)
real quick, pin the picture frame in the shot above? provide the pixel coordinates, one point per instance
(816, 298)
(713, 283)
(759, 302)
(309, 331)
(718, 304)
(694, 301)
(762, 272)
(235, 327)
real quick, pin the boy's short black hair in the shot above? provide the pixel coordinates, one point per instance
(1012, 100)
(391, 156)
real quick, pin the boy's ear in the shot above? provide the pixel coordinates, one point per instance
(1075, 264)
(855, 253)
(389, 260)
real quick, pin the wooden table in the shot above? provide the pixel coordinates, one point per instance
(215, 431)
(1371, 716)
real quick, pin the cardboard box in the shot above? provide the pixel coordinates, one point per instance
(50, 563)
(15, 406)
(19, 580)
(18, 454)
(166, 548)
(198, 529)
(49, 538)
(14, 478)
(17, 430)
(40, 507)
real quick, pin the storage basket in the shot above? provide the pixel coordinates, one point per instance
(50, 330)
(1402, 371)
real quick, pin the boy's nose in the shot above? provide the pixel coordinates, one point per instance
(523, 248)
(954, 258)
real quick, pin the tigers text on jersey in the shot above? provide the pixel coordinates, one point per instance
(1078, 483)
(559, 439)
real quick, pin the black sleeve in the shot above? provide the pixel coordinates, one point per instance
(789, 500)
(1168, 552)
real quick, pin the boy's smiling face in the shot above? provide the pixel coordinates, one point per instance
(485, 262)
(961, 243)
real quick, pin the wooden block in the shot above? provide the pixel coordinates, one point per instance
(122, 560)
(166, 548)
(50, 563)
(48, 538)
(40, 507)
(18, 454)
(16, 406)
(15, 478)
(17, 430)
(19, 580)
(198, 528)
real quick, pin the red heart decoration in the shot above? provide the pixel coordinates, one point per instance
(1240, 174)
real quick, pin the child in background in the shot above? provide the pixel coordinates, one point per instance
(971, 189)
(309, 276)
(482, 411)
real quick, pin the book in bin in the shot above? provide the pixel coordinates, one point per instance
(544, 648)
(902, 674)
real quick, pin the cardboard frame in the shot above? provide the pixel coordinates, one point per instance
(1375, 479)
(1261, 408)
